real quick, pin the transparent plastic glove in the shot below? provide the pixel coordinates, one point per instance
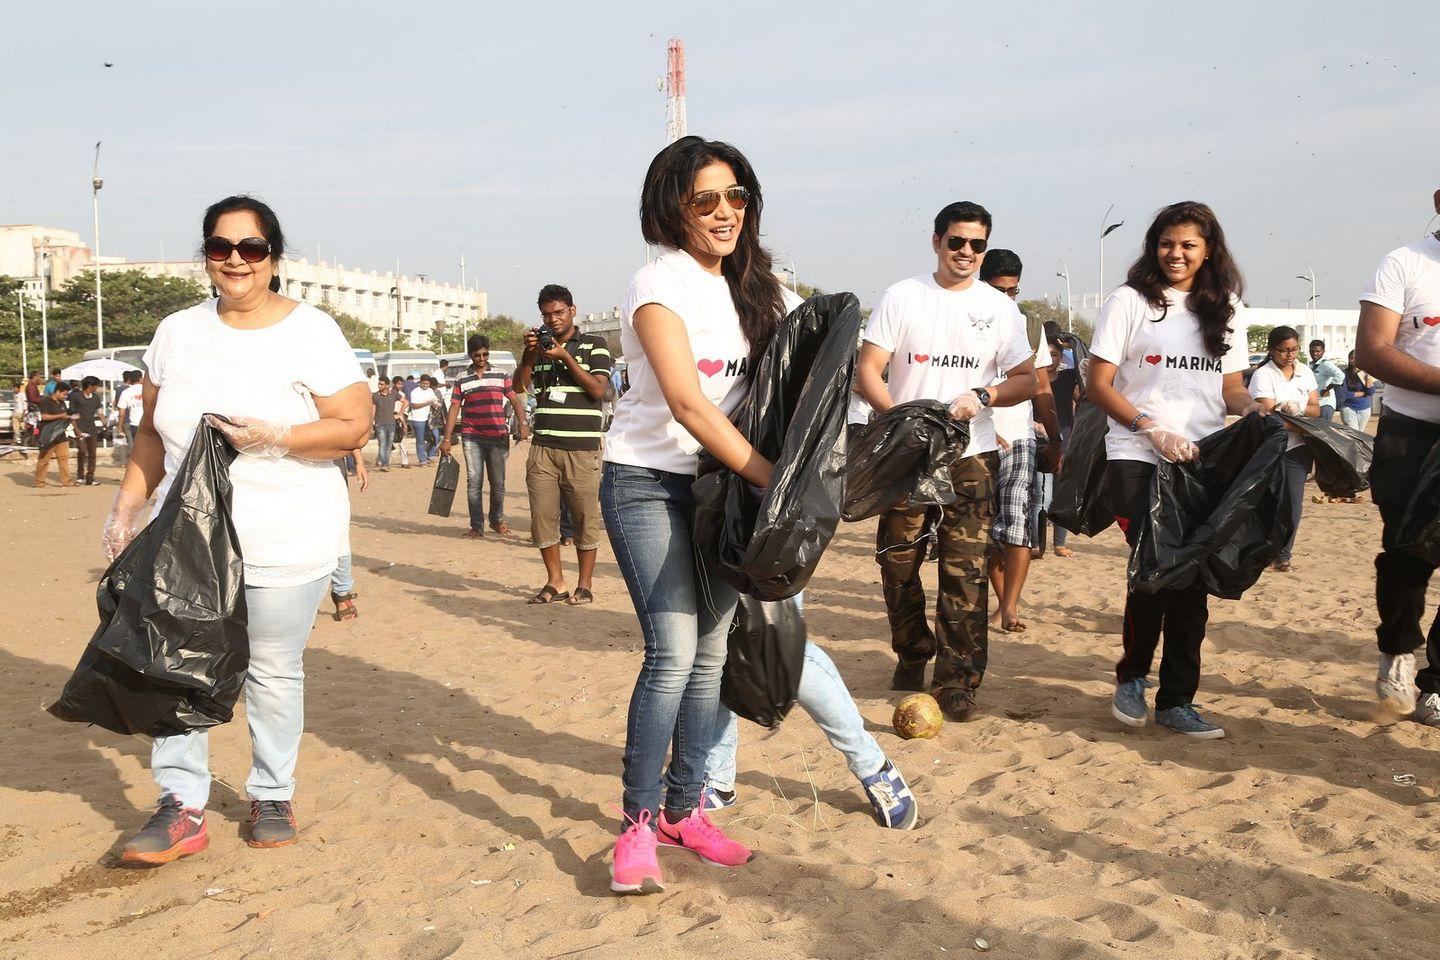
(965, 407)
(126, 520)
(1288, 406)
(1171, 445)
(256, 438)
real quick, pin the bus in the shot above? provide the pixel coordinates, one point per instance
(135, 356)
(502, 360)
(367, 361)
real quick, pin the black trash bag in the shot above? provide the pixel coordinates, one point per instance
(902, 458)
(1081, 501)
(447, 479)
(766, 656)
(172, 647)
(794, 416)
(1420, 529)
(1219, 521)
(1342, 455)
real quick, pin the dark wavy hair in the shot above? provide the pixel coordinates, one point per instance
(664, 219)
(1217, 282)
(269, 226)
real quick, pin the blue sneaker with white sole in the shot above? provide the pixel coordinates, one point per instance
(1128, 705)
(1187, 720)
(890, 795)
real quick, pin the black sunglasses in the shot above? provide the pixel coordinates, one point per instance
(703, 204)
(251, 249)
(977, 244)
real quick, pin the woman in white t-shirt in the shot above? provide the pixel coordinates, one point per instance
(694, 321)
(1280, 383)
(1166, 365)
(286, 380)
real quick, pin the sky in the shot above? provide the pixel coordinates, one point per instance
(520, 133)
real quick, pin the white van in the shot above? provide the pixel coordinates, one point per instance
(403, 363)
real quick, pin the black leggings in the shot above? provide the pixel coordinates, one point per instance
(1401, 445)
(1179, 615)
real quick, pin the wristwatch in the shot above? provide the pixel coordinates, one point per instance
(984, 396)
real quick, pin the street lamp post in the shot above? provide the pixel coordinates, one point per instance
(24, 357)
(95, 184)
(1105, 231)
(1065, 275)
(390, 330)
(464, 307)
(1309, 277)
(45, 305)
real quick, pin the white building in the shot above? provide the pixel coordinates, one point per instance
(409, 307)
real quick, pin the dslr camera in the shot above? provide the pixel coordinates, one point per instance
(545, 340)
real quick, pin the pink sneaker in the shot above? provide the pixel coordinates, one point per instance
(701, 837)
(635, 868)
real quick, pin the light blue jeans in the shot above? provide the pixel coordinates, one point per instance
(685, 612)
(1355, 419)
(280, 622)
(825, 697)
(342, 581)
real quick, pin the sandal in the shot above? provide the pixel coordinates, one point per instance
(549, 594)
(582, 596)
(344, 606)
(502, 528)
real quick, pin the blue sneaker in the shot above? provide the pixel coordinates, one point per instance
(890, 795)
(1187, 720)
(713, 798)
(1128, 705)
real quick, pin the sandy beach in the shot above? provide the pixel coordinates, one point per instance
(459, 777)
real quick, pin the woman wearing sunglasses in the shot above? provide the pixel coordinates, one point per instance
(1282, 384)
(1167, 363)
(293, 399)
(693, 323)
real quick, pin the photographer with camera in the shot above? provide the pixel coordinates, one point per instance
(570, 371)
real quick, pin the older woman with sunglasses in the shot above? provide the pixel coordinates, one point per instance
(293, 399)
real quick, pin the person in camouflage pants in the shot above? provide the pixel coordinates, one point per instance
(962, 607)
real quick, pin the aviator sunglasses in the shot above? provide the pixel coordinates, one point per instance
(977, 244)
(251, 249)
(704, 204)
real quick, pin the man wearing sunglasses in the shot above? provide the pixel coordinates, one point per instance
(478, 405)
(946, 337)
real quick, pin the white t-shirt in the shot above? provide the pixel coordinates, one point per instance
(1018, 422)
(1269, 382)
(1408, 282)
(132, 406)
(644, 433)
(1164, 369)
(292, 516)
(419, 395)
(944, 343)
(438, 375)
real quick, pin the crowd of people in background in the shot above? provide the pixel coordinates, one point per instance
(1167, 365)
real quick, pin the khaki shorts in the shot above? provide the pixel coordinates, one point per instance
(550, 474)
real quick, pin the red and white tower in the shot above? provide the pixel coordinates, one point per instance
(675, 91)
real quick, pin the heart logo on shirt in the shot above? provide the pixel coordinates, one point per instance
(710, 367)
(1153, 358)
(1430, 321)
(921, 357)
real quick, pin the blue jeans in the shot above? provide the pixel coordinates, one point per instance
(825, 697)
(426, 442)
(342, 581)
(485, 455)
(384, 440)
(685, 613)
(280, 622)
(1355, 419)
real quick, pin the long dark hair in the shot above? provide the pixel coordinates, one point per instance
(669, 183)
(1216, 283)
(269, 226)
(1278, 335)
